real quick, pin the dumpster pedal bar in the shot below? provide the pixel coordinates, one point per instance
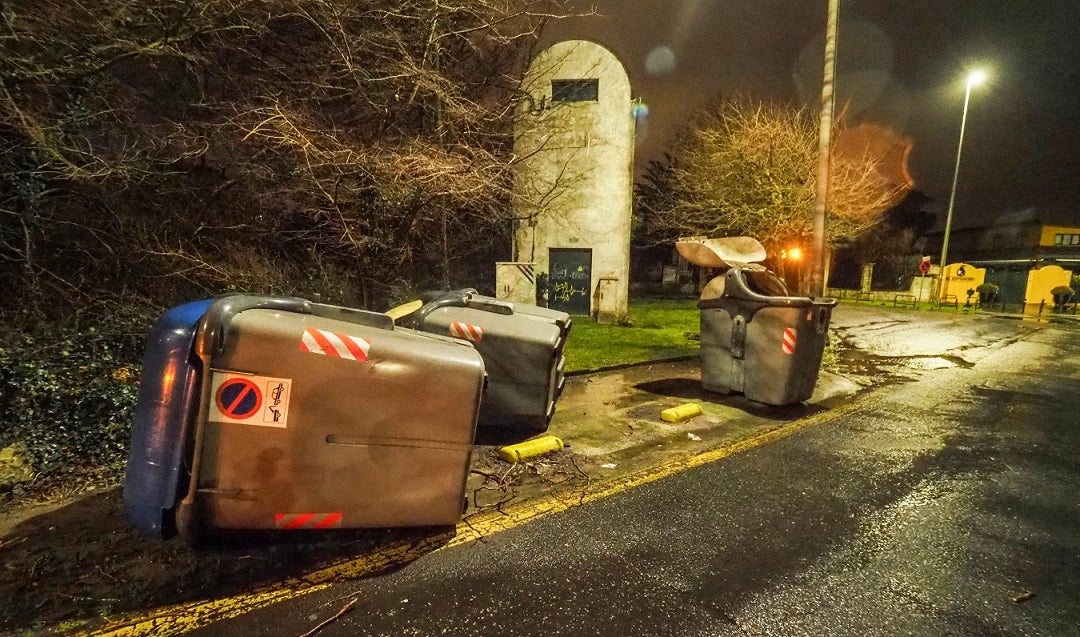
(738, 336)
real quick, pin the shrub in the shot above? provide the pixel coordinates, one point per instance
(68, 399)
(1062, 290)
(987, 288)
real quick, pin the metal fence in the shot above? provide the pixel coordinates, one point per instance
(896, 298)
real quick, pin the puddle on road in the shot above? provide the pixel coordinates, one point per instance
(879, 370)
(929, 363)
(854, 362)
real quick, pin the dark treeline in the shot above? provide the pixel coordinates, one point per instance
(156, 151)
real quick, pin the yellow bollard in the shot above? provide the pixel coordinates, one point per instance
(681, 413)
(529, 448)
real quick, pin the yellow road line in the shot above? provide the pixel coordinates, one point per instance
(182, 618)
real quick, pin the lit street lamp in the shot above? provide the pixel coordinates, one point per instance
(794, 256)
(974, 78)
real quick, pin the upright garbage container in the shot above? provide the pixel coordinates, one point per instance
(522, 347)
(278, 413)
(757, 340)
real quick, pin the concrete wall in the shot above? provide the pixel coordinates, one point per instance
(516, 282)
(574, 175)
(961, 277)
(1044, 279)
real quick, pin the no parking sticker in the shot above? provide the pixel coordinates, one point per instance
(250, 400)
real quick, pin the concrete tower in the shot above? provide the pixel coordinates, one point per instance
(574, 145)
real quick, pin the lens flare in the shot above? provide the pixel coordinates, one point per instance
(660, 61)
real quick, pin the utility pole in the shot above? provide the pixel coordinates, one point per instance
(818, 254)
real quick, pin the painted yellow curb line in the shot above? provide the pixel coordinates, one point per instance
(182, 618)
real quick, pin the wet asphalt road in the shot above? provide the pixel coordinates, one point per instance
(925, 510)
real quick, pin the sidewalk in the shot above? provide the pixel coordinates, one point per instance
(87, 563)
(611, 422)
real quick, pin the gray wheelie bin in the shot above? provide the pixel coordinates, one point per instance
(757, 340)
(277, 413)
(522, 346)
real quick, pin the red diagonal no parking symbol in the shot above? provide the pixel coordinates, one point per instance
(238, 398)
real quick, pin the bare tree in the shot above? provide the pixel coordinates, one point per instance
(163, 149)
(746, 168)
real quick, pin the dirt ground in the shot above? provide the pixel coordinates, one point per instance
(81, 564)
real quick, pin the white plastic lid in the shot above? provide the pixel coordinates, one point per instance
(724, 252)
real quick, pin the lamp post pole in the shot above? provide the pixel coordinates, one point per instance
(973, 79)
(821, 195)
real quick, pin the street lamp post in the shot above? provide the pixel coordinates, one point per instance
(974, 78)
(825, 126)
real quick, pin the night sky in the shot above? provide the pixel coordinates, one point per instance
(901, 63)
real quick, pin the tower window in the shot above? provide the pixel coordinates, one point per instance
(575, 90)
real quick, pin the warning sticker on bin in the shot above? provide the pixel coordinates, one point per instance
(250, 400)
(307, 520)
(336, 345)
(789, 341)
(468, 332)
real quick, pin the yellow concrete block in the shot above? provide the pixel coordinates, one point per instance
(681, 413)
(530, 448)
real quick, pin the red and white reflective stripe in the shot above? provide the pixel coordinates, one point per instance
(352, 348)
(468, 332)
(789, 340)
(290, 521)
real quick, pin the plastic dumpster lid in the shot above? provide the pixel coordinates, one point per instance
(714, 289)
(722, 252)
(405, 309)
(155, 462)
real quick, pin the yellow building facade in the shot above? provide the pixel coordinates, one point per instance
(959, 278)
(1042, 280)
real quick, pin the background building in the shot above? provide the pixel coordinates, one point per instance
(1022, 254)
(574, 142)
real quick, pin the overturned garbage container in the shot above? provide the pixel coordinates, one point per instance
(757, 340)
(522, 346)
(270, 413)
